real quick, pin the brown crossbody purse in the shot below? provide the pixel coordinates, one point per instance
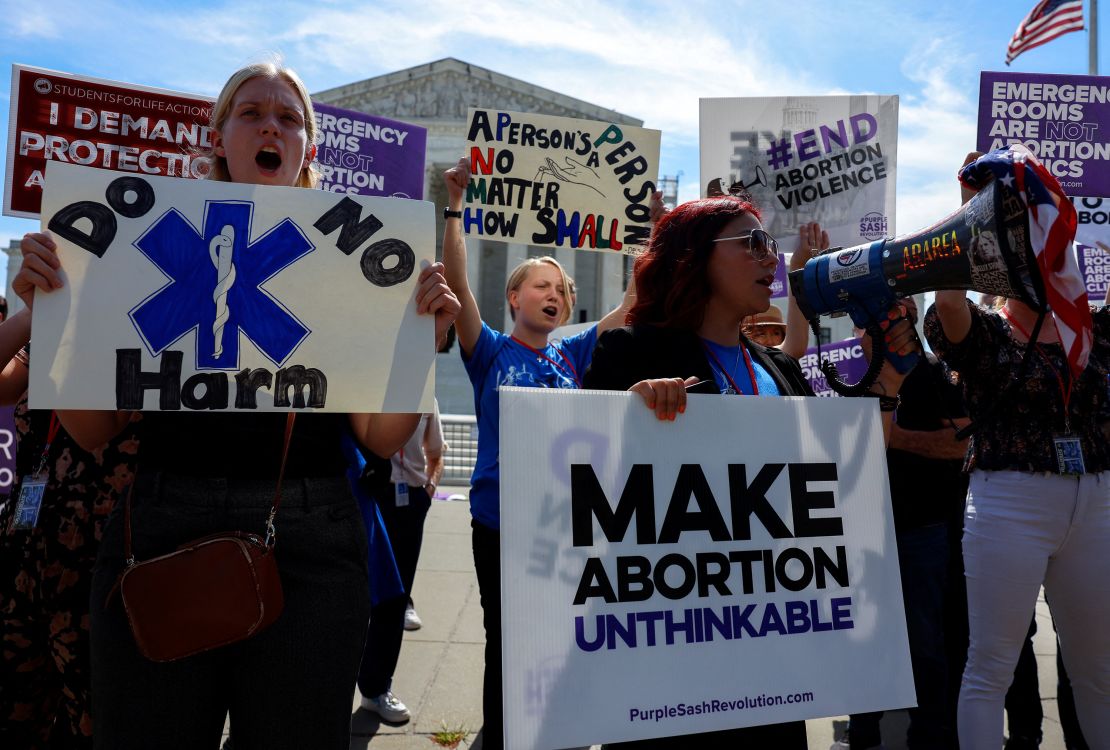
(210, 592)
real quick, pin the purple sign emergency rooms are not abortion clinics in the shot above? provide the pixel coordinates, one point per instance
(1064, 120)
(360, 154)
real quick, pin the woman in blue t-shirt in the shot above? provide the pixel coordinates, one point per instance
(540, 298)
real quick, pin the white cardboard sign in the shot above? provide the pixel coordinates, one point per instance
(559, 181)
(204, 295)
(829, 159)
(723, 570)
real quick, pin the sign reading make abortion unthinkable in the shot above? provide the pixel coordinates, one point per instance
(723, 570)
(216, 296)
(829, 159)
(142, 130)
(559, 182)
(1063, 119)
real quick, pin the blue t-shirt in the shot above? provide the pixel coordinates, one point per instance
(499, 360)
(733, 359)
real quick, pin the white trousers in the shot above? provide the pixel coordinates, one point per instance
(1022, 530)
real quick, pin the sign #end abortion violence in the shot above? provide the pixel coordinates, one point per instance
(829, 159)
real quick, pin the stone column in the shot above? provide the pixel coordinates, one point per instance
(611, 283)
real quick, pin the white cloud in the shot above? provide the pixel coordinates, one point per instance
(30, 22)
(936, 131)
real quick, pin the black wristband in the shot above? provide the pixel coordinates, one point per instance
(886, 403)
(449, 214)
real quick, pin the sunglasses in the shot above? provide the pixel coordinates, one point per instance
(760, 244)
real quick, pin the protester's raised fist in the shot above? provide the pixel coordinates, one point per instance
(456, 179)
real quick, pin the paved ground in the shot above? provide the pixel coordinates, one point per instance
(440, 672)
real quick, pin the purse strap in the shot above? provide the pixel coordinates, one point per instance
(271, 532)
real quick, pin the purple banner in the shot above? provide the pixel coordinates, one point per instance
(1094, 262)
(7, 449)
(360, 154)
(779, 287)
(849, 360)
(1063, 120)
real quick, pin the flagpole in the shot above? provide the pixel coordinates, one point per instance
(1092, 41)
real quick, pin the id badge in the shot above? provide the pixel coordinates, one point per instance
(29, 504)
(1069, 454)
(401, 495)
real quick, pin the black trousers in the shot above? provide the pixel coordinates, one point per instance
(405, 527)
(486, 543)
(290, 686)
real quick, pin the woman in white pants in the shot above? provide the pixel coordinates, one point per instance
(1038, 508)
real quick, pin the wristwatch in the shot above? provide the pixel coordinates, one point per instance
(449, 214)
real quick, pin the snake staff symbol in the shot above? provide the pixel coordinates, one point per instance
(220, 249)
(572, 171)
(222, 299)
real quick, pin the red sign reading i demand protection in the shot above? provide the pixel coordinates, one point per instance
(98, 123)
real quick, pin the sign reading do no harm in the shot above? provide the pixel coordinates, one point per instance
(203, 295)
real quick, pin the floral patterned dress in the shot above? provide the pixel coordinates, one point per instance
(45, 575)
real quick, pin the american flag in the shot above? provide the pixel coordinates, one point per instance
(1050, 19)
(1052, 224)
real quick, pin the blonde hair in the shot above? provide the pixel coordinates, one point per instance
(520, 274)
(221, 110)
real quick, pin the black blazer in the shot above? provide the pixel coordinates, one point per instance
(625, 356)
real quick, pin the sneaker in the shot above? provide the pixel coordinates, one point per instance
(412, 620)
(388, 707)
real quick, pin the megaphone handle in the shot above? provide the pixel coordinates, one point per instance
(904, 364)
(878, 354)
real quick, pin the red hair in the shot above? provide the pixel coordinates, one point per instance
(672, 286)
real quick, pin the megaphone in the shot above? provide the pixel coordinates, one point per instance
(716, 186)
(984, 246)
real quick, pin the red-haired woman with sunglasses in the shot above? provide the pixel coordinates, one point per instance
(710, 264)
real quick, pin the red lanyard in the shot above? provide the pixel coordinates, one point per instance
(747, 361)
(568, 369)
(1065, 393)
(52, 433)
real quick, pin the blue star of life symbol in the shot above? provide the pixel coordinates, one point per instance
(215, 285)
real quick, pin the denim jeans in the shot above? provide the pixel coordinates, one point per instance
(1023, 530)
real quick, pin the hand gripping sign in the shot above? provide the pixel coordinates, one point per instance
(203, 295)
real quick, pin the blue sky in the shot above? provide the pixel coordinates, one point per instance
(649, 59)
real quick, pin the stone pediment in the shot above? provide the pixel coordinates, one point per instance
(443, 90)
